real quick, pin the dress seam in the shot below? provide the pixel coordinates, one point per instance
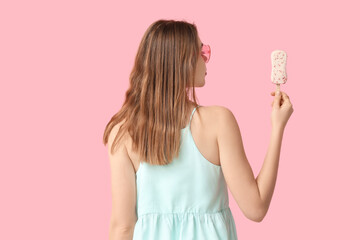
(195, 213)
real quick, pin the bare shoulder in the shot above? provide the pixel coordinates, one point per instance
(219, 116)
(124, 141)
(217, 111)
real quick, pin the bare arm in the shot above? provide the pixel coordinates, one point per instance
(267, 176)
(252, 195)
(123, 188)
(237, 171)
(281, 111)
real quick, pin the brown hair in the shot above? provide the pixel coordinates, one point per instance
(157, 99)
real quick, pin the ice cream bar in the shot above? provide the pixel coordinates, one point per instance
(278, 73)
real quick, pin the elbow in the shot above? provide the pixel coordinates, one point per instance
(261, 215)
(258, 218)
(121, 232)
(258, 215)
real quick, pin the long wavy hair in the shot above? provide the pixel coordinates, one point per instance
(157, 100)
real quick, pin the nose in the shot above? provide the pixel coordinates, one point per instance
(204, 58)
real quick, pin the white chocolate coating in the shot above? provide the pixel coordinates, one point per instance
(278, 63)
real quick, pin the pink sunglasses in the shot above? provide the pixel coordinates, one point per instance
(205, 52)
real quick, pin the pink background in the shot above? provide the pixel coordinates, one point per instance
(64, 69)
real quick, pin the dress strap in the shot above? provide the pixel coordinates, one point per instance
(193, 113)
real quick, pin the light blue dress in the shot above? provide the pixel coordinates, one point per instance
(184, 200)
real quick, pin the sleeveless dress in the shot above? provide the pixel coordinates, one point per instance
(184, 200)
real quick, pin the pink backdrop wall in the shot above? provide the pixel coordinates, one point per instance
(64, 68)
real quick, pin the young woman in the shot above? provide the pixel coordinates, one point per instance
(172, 159)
